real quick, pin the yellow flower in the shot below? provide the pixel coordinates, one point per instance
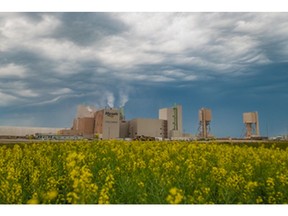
(175, 196)
(173, 191)
(270, 182)
(33, 201)
(259, 200)
(52, 195)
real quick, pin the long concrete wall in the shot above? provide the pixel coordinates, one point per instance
(23, 131)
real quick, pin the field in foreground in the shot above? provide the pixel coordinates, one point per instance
(143, 173)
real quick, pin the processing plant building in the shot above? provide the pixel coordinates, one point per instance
(110, 123)
(107, 123)
(147, 127)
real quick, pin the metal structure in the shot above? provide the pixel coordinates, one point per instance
(205, 118)
(250, 119)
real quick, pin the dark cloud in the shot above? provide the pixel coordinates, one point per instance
(230, 62)
(88, 28)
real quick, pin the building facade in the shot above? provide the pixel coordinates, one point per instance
(84, 126)
(173, 116)
(147, 127)
(107, 123)
(86, 111)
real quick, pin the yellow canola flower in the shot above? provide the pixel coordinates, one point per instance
(141, 184)
(72, 197)
(173, 191)
(52, 195)
(175, 196)
(33, 201)
(259, 200)
(270, 182)
(208, 172)
(250, 186)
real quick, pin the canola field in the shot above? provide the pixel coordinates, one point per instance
(119, 172)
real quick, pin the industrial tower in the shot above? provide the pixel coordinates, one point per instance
(205, 118)
(250, 119)
(173, 117)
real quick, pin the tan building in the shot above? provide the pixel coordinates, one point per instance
(124, 129)
(173, 116)
(107, 123)
(86, 111)
(84, 126)
(147, 127)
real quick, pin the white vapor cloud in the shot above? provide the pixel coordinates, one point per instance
(110, 99)
(123, 97)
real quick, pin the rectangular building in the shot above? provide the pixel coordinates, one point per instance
(84, 126)
(147, 127)
(173, 116)
(85, 111)
(124, 129)
(107, 123)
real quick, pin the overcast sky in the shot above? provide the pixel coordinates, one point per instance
(228, 62)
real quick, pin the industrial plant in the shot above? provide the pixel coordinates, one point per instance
(110, 123)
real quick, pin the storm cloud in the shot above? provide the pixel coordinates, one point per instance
(231, 62)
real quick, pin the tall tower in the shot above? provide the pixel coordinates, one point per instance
(205, 118)
(250, 119)
(173, 116)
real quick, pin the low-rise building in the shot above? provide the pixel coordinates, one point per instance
(147, 127)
